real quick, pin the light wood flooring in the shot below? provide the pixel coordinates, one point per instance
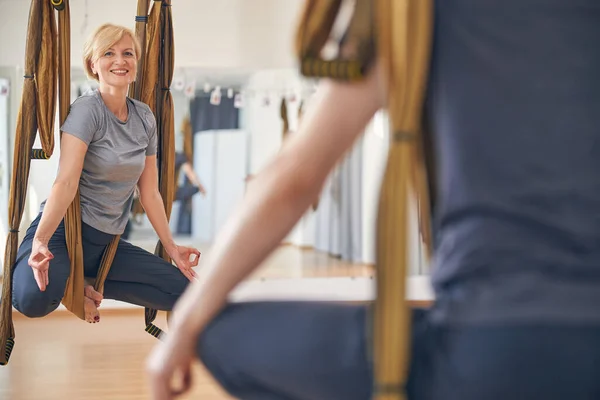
(60, 357)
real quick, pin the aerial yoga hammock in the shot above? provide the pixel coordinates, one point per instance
(48, 56)
(398, 33)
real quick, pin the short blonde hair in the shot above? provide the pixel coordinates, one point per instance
(103, 38)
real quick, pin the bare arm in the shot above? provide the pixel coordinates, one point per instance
(72, 154)
(281, 194)
(61, 195)
(153, 204)
(155, 210)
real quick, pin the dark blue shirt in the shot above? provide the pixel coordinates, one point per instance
(515, 105)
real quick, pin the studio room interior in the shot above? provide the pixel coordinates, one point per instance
(299, 199)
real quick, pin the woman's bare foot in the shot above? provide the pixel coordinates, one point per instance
(88, 291)
(91, 311)
(91, 302)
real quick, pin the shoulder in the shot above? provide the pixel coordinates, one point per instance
(88, 99)
(88, 105)
(86, 117)
(145, 112)
(85, 112)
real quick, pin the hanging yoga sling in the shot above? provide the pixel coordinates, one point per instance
(155, 91)
(341, 39)
(37, 112)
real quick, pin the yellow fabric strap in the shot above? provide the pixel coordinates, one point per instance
(188, 144)
(73, 297)
(283, 113)
(404, 45)
(160, 66)
(105, 264)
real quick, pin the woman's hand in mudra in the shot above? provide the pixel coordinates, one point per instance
(186, 258)
(39, 261)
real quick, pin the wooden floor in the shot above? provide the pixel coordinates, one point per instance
(60, 357)
(292, 262)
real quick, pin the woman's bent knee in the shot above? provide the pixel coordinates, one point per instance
(180, 284)
(174, 283)
(34, 304)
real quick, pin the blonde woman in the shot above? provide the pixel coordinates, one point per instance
(108, 147)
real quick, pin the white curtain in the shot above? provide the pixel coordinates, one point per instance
(338, 219)
(345, 222)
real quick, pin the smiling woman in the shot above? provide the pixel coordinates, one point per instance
(110, 57)
(108, 147)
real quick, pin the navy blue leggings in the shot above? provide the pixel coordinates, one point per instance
(319, 351)
(136, 275)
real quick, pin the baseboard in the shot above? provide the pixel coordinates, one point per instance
(352, 290)
(138, 312)
(301, 247)
(108, 307)
(130, 310)
(307, 247)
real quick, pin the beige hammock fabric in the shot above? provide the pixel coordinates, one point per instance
(188, 141)
(160, 64)
(283, 113)
(401, 32)
(141, 21)
(39, 93)
(73, 298)
(43, 61)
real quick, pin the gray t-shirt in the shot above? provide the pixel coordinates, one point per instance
(114, 160)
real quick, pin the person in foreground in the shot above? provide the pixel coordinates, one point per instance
(514, 97)
(108, 147)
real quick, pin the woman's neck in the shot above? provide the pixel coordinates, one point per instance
(115, 99)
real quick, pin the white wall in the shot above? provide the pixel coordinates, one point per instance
(262, 120)
(15, 80)
(208, 33)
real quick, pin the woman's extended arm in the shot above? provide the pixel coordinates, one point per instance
(72, 154)
(61, 195)
(154, 206)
